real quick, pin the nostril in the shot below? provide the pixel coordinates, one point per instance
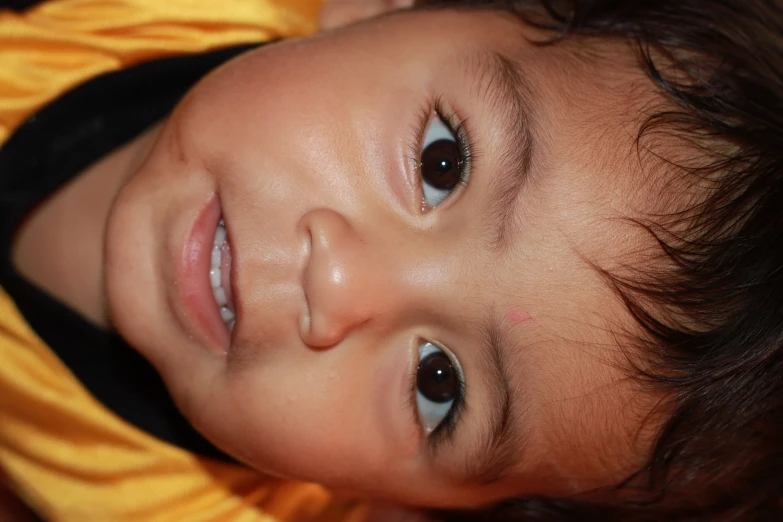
(322, 332)
(306, 251)
(304, 325)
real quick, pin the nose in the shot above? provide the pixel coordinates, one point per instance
(346, 282)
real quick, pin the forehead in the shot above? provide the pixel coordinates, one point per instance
(585, 184)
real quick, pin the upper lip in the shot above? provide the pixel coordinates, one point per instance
(233, 293)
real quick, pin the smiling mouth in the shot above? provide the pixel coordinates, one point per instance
(220, 276)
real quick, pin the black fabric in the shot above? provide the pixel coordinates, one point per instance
(45, 152)
(18, 5)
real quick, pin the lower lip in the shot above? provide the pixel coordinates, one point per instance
(194, 287)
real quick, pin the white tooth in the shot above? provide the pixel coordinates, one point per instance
(220, 296)
(231, 325)
(220, 236)
(217, 256)
(226, 314)
(215, 277)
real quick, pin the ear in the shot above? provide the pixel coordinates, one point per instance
(336, 13)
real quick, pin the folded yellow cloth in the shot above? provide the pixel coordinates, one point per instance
(58, 44)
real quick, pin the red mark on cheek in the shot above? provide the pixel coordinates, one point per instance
(518, 317)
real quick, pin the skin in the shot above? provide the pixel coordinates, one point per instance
(312, 148)
(338, 13)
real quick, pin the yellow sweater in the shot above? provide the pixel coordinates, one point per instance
(65, 454)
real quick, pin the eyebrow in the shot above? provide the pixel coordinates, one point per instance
(501, 438)
(511, 97)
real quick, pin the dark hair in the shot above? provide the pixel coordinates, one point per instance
(712, 319)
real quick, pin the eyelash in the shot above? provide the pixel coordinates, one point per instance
(446, 427)
(458, 127)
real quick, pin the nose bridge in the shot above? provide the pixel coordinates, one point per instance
(347, 280)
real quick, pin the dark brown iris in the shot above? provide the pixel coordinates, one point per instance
(435, 378)
(440, 164)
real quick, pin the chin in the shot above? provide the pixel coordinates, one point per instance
(133, 278)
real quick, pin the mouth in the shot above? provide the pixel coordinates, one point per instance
(220, 275)
(205, 279)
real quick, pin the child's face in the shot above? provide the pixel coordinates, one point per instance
(340, 273)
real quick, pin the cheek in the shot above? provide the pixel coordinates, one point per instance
(278, 145)
(277, 99)
(318, 416)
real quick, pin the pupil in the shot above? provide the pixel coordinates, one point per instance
(435, 378)
(440, 163)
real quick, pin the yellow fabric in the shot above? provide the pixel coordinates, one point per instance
(65, 454)
(61, 43)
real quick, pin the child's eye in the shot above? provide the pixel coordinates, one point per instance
(443, 163)
(438, 386)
